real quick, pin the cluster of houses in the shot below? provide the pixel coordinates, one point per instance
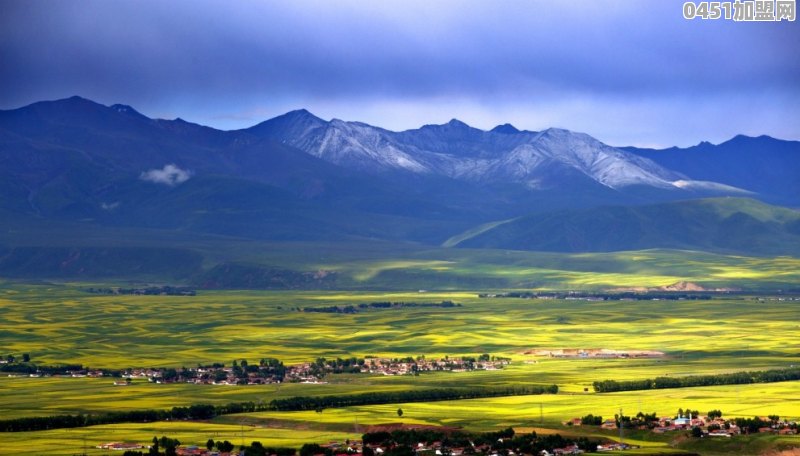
(120, 446)
(93, 373)
(386, 366)
(595, 353)
(270, 371)
(310, 372)
(190, 450)
(711, 427)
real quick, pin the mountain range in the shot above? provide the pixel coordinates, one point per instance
(537, 160)
(299, 177)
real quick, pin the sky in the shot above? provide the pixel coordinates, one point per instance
(626, 72)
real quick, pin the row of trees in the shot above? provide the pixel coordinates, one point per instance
(207, 411)
(193, 412)
(377, 305)
(166, 446)
(444, 394)
(736, 378)
(503, 441)
(165, 290)
(397, 443)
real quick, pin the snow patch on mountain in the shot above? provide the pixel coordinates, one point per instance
(456, 150)
(362, 146)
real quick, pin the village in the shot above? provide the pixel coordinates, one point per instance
(712, 425)
(271, 370)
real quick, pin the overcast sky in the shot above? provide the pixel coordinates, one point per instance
(626, 72)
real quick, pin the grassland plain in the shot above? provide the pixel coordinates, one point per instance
(62, 323)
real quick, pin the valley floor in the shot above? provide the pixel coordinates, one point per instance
(64, 324)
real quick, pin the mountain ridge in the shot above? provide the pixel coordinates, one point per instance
(762, 164)
(299, 177)
(459, 151)
(454, 149)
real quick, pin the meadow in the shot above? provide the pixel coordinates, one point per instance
(62, 323)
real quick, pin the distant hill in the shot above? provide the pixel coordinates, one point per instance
(729, 225)
(768, 166)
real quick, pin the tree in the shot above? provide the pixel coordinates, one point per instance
(154, 447)
(210, 444)
(400, 412)
(697, 432)
(26, 358)
(224, 447)
(310, 449)
(169, 375)
(591, 420)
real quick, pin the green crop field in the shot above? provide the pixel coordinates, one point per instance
(62, 323)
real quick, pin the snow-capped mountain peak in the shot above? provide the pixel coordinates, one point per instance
(457, 150)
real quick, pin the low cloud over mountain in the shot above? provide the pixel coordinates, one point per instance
(168, 175)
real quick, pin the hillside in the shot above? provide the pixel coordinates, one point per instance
(768, 166)
(737, 225)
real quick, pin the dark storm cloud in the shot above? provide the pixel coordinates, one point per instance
(624, 71)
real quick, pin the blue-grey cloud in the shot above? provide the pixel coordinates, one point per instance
(625, 71)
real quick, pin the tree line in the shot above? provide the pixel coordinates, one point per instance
(735, 378)
(389, 397)
(350, 309)
(170, 447)
(400, 442)
(150, 291)
(318, 403)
